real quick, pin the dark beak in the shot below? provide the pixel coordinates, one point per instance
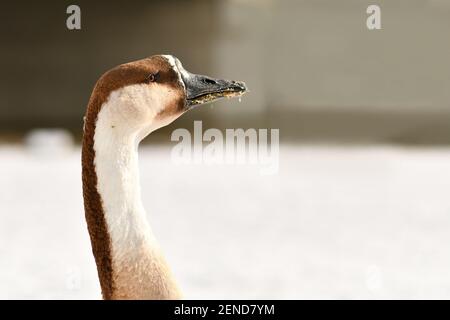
(202, 89)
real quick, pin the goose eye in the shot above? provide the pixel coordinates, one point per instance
(152, 77)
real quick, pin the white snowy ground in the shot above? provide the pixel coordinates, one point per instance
(335, 222)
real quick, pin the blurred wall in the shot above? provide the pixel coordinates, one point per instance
(319, 54)
(313, 68)
(316, 71)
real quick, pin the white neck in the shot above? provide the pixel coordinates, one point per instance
(139, 269)
(116, 163)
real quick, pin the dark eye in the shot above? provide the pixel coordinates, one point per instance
(152, 77)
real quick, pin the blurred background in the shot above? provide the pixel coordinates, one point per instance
(359, 207)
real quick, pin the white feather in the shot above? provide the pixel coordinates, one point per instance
(123, 121)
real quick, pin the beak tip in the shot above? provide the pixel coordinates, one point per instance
(240, 86)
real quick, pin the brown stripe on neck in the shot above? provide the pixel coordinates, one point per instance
(95, 216)
(94, 212)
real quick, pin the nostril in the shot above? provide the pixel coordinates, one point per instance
(209, 81)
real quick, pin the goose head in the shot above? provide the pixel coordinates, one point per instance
(142, 96)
